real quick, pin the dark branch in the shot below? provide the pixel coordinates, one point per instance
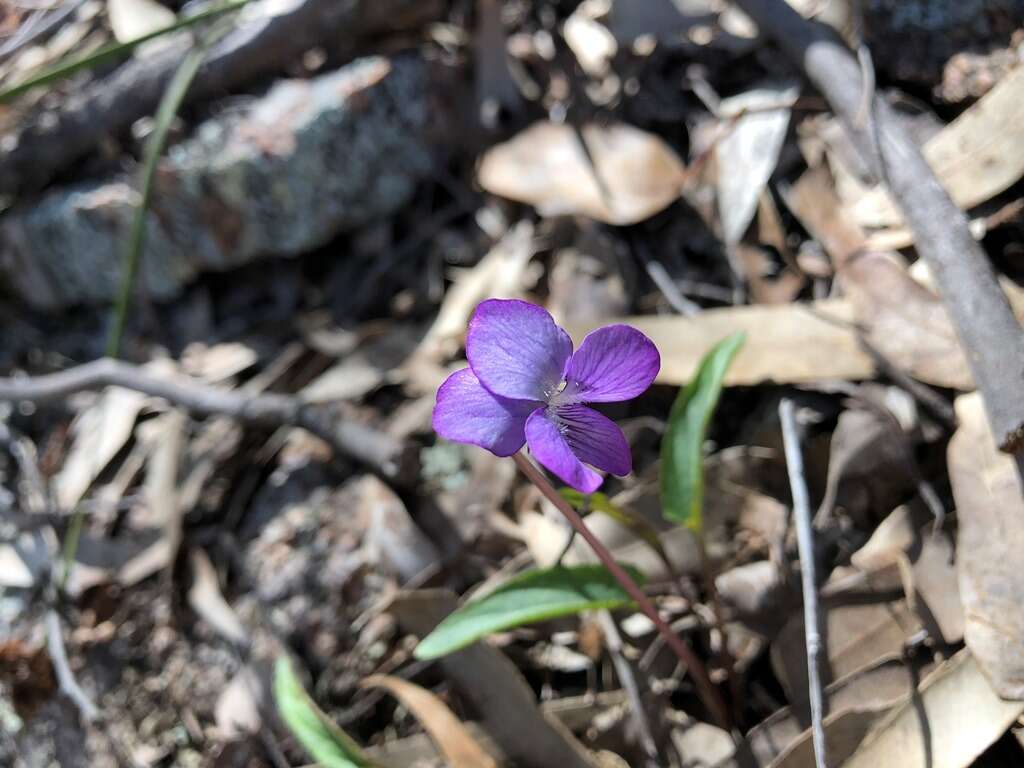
(384, 454)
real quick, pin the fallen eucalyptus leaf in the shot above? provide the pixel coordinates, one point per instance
(990, 539)
(975, 157)
(747, 156)
(953, 719)
(786, 344)
(622, 176)
(452, 738)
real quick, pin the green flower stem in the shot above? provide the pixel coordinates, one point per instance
(708, 693)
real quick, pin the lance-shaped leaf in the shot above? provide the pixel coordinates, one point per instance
(330, 746)
(532, 596)
(682, 456)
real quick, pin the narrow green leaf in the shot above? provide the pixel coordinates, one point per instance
(682, 447)
(330, 746)
(600, 503)
(73, 64)
(530, 597)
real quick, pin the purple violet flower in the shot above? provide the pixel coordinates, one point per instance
(524, 384)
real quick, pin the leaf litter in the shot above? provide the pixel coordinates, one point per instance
(654, 164)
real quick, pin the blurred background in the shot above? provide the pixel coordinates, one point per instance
(299, 203)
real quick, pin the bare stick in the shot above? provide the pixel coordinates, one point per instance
(390, 457)
(805, 546)
(991, 335)
(65, 677)
(706, 689)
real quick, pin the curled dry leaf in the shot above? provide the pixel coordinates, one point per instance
(975, 157)
(453, 740)
(622, 176)
(100, 432)
(905, 321)
(990, 538)
(207, 600)
(953, 719)
(855, 703)
(393, 540)
(861, 626)
(747, 156)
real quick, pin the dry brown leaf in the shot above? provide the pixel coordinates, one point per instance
(546, 166)
(457, 745)
(591, 42)
(844, 730)
(747, 155)
(207, 600)
(393, 540)
(162, 491)
(787, 344)
(975, 157)
(870, 467)
(953, 719)
(812, 199)
(507, 705)
(499, 274)
(134, 18)
(855, 702)
(99, 433)
(990, 539)
(237, 711)
(861, 627)
(905, 321)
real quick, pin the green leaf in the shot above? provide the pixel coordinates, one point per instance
(73, 64)
(599, 502)
(330, 746)
(682, 447)
(532, 596)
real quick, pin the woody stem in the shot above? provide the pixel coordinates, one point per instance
(709, 695)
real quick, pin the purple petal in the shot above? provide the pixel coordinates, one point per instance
(516, 350)
(565, 438)
(594, 438)
(550, 448)
(613, 363)
(467, 413)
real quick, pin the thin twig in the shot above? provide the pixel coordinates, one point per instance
(805, 546)
(65, 677)
(384, 454)
(705, 688)
(627, 678)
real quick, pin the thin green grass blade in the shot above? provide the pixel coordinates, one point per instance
(682, 447)
(168, 109)
(330, 746)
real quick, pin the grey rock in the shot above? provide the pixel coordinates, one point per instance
(279, 176)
